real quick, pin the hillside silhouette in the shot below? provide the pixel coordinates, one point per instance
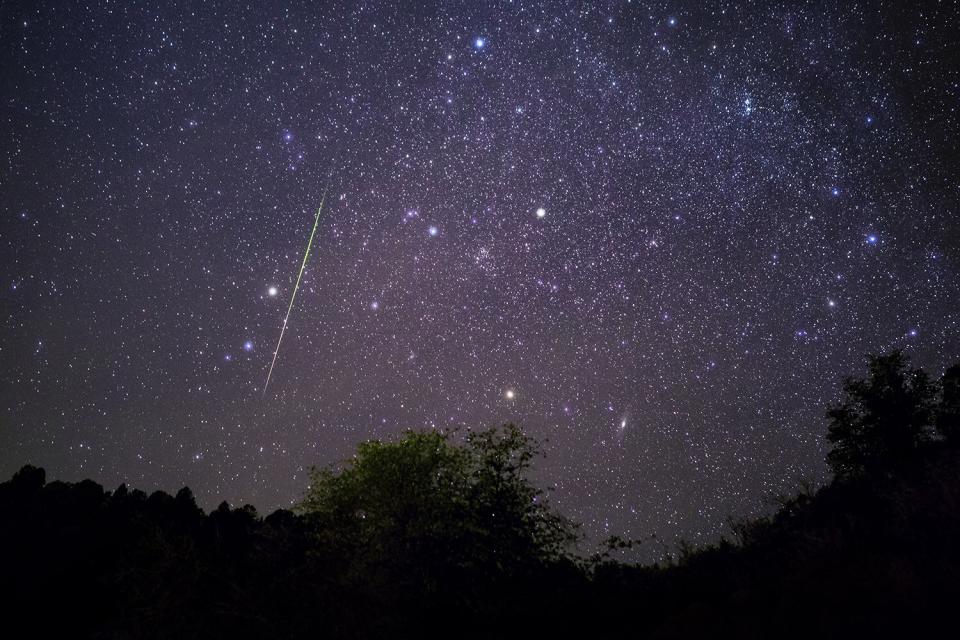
(438, 536)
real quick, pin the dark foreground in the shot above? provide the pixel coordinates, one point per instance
(397, 547)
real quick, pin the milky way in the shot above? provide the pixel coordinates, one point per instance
(656, 235)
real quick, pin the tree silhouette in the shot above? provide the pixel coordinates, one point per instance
(437, 535)
(423, 507)
(883, 420)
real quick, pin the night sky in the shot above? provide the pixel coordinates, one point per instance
(656, 235)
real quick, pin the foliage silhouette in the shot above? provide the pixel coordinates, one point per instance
(434, 503)
(437, 535)
(884, 420)
(412, 517)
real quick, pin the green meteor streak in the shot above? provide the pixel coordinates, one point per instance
(296, 287)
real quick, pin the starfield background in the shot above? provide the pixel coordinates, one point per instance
(655, 236)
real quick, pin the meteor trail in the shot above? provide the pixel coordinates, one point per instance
(306, 256)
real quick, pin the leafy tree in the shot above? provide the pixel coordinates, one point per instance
(424, 508)
(883, 420)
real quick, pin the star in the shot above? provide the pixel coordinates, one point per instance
(541, 212)
(272, 291)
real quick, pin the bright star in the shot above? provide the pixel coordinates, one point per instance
(248, 346)
(272, 291)
(510, 394)
(541, 212)
(433, 231)
(479, 43)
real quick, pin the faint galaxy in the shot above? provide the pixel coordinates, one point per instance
(656, 235)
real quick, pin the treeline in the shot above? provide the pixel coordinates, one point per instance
(432, 536)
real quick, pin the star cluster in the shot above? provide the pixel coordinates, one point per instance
(655, 235)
